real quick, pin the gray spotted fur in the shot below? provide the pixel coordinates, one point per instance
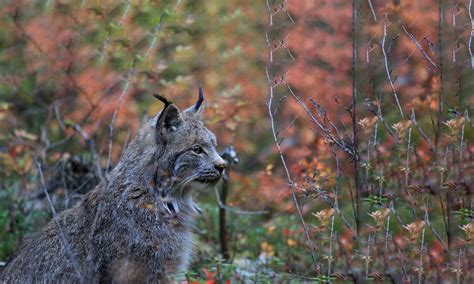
(136, 226)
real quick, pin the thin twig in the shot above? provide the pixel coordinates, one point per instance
(327, 133)
(420, 268)
(372, 10)
(126, 87)
(107, 39)
(469, 7)
(422, 133)
(115, 114)
(233, 209)
(355, 143)
(62, 236)
(387, 71)
(419, 47)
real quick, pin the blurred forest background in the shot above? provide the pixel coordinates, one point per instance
(352, 121)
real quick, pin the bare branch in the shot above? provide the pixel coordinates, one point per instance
(107, 39)
(419, 47)
(126, 87)
(326, 132)
(372, 10)
(274, 132)
(469, 10)
(387, 71)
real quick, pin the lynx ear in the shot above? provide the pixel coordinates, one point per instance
(170, 117)
(199, 107)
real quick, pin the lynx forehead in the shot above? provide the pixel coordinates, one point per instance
(136, 225)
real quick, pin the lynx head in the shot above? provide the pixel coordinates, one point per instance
(184, 152)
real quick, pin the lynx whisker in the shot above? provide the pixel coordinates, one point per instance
(165, 205)
(175, 205)
(168, 198)
(184, 182)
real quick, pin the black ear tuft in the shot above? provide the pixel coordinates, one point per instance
(169, 116)
(200, 98)
(198, 108)
(162, 99)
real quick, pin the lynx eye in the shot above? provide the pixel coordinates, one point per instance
(197, 150)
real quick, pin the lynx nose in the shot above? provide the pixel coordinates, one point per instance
(221, 167)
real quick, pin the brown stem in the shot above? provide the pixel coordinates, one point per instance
(355, 157)
(222, 221)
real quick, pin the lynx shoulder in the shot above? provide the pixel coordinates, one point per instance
(137, 224)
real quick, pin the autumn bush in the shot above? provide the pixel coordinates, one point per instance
(351, 119)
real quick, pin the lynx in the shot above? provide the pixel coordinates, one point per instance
(135, 226)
